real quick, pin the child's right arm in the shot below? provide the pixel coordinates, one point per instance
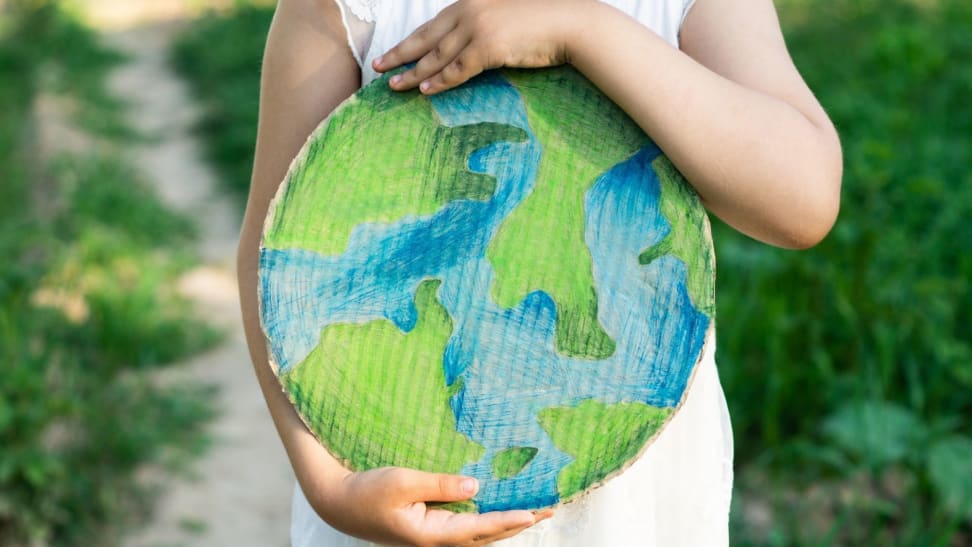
(308, 70)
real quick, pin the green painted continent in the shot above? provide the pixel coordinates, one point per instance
(683, 210)
(618, 431)
(507, 463)
(391, 165)
(540, 245)
(360, 388)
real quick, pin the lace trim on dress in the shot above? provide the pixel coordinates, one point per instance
(358, 26)
(362, 9)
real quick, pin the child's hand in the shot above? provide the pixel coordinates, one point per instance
(471, 36)
(388, 505)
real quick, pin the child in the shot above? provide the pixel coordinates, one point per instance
(711, 83)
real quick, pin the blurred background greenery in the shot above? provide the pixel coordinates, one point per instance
(848, 367)
(87, 306)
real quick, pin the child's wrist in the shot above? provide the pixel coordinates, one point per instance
(585, 21)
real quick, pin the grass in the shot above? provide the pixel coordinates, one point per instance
(848, 373)
(88, 308)
(848, 367)
(220, 54)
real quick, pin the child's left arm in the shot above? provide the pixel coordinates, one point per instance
(729, 109)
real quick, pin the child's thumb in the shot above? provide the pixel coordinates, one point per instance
(423, 486)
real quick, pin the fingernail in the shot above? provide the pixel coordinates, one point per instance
(378, 60)
(542, 515)
(469, 486)
(396, 79)
(424, 86)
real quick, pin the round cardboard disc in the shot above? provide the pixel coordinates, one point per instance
(507, 280)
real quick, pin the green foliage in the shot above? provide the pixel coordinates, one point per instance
(950, 472)
(87, 305)
(95, 185)
(876, 434)
(883, 476)
(859, 351)
(46, 47)
(220, 54)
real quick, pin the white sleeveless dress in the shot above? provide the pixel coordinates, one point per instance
(678, 492)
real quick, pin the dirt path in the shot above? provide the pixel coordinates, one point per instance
(239, 494)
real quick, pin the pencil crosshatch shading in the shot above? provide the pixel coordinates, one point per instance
(507, 280)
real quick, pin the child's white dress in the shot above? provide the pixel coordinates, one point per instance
(677, 493)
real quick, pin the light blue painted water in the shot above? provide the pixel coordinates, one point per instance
(505, 357)
(388, 260)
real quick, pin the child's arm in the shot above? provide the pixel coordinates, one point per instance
(308, 69)
(730, 110)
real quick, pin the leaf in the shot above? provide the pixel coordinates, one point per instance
(950, 470)
(878, 433)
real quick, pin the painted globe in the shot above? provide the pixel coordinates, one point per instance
(507, 280)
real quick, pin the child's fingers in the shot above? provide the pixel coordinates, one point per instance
(473, 529)
(462, 68)
(416, 44)
(538, 517)
(504, 535)
(410, 486)
(441, 55)
(544, 514)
